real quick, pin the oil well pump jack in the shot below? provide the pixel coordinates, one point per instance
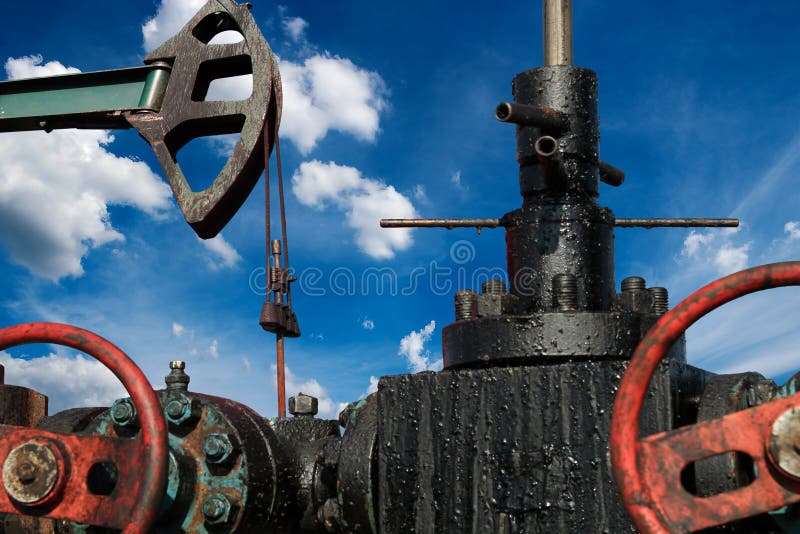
(564, 405)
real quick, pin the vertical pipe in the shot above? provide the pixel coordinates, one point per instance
(557, 19)
(277, 287)
(281, 377)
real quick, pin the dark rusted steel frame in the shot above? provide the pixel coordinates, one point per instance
(648, 471)
(141, 463)
(186, 115)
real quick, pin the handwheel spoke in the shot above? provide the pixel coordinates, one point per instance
(75, 458)
(648, 471)
(49, 474)
(662, 458)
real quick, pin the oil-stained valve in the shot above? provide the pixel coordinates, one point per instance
(227, 470)
(231, 470)
(49, 473)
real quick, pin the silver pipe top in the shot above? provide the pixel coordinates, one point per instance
(557, 34)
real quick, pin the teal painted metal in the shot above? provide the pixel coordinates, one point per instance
(155, 86)
(86, 100)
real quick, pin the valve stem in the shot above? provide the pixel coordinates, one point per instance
(557, 46)
(279, 364)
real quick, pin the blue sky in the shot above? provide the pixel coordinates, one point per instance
(388, 111)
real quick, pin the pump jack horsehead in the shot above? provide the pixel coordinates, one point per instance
(487, 445)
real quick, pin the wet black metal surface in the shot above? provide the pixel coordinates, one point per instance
(573, 92)
(469, 450)
(557, 235)
(530, 339)
(308, 478)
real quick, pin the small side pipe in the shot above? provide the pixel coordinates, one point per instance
(546, 146)
(611, 175)
(526, 115)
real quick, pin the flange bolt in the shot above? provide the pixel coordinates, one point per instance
(123, 412)
(633, 283)
(465, 305)
(180, 409)
(217, 448)
(495, 286)
(660, 300)
(565, 289)
(216, 509)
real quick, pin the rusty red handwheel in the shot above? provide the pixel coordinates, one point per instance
(48, 474)
(648, 470)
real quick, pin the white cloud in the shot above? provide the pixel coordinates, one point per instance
(413, 348)
(55, 190)
(792, 229)
(223, 253)
(368, 324)
(168, 20)
(178, 329)
(329, 93)
(90, 382)
(32, 67)
(373, 386)
(455, 179)
(729, 259)
(716, 247)
(364, 200)
(324, 92)
(246, 363)
(295, 28)
(694, 241)
(419, 193)
(213, 349)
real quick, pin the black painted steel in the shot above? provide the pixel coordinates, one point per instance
(521, 447)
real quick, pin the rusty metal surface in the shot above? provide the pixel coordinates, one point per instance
(227, 472)
(21, 406)
(141, 464)
(648, 471)
(185, 115)
(31, 471)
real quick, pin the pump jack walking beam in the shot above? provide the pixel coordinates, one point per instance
(165, 101)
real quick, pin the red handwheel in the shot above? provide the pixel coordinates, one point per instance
(47, 474)
(648, 470)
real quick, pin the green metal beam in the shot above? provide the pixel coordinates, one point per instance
(93, 100)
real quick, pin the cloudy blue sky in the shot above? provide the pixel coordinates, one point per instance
(388, 111)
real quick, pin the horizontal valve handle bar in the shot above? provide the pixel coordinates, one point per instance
(624, 223)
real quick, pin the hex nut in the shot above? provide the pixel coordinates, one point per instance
(218, 448)
(302, 404)
(123, 413)
(180, 409)
(216, 509)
